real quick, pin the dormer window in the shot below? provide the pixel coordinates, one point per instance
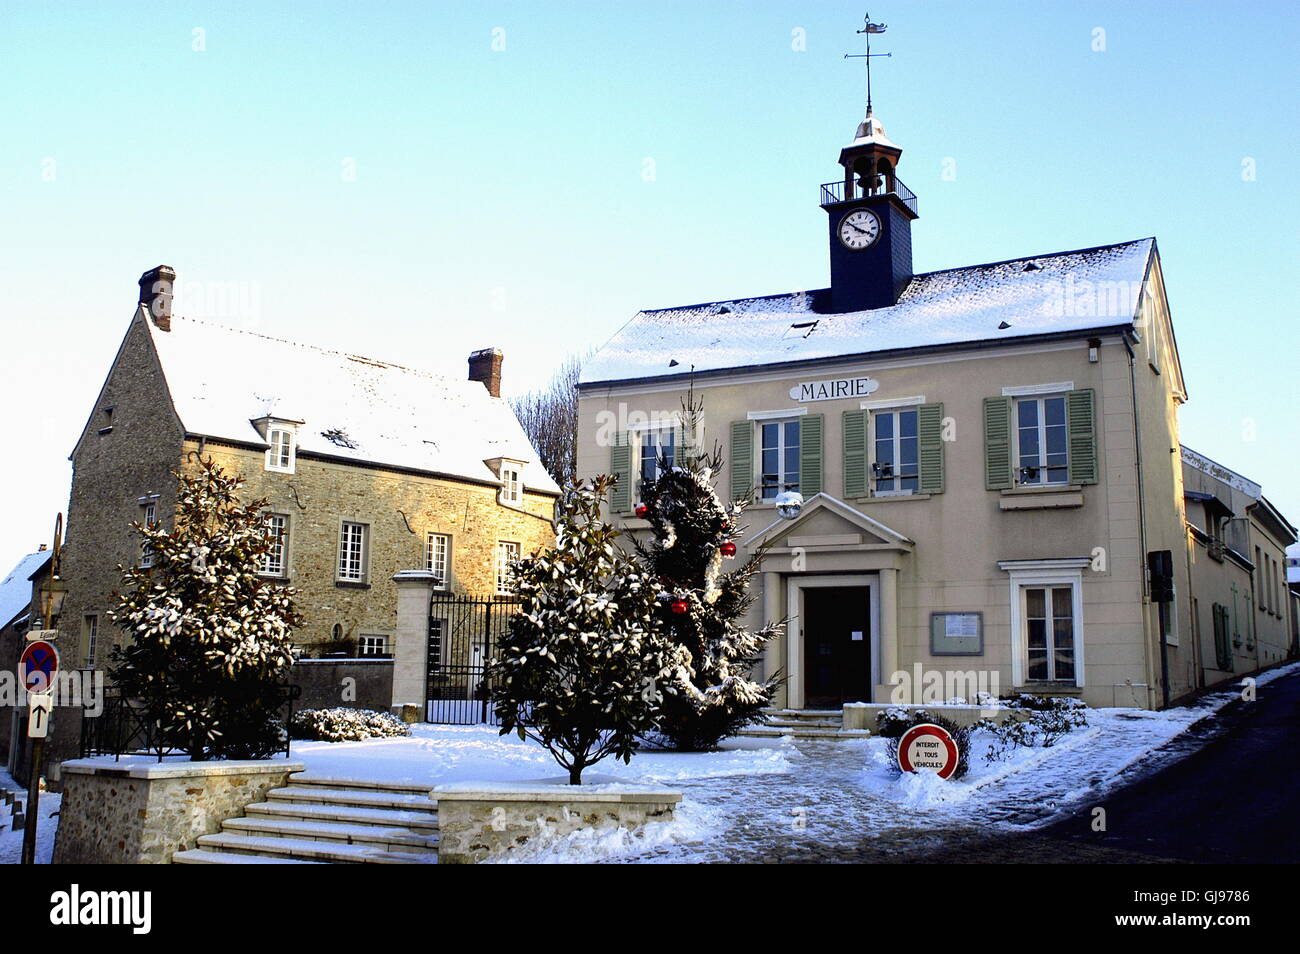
(511, 485)
(281, 454)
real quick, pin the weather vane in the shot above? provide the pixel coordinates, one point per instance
(868, 28)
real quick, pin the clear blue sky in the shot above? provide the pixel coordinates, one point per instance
(378, 177)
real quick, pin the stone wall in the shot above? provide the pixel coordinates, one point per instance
(325, 683)
(133, 812)
(476, 825)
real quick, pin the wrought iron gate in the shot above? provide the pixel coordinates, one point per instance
(463, 635)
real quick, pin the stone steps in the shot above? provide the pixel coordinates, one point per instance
(803, 724)
(324, 820)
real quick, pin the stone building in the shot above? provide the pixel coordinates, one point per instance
(979, 466)
(369, 469)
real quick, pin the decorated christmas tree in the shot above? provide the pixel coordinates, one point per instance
(582, 665)
(701, 605)
(207, 646)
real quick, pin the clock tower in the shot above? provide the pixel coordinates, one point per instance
(870, 215)
(869, 212)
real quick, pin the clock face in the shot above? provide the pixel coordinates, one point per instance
(859, 229)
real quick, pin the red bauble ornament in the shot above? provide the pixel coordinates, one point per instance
(642, 510)
(679, 607)
(728, 549)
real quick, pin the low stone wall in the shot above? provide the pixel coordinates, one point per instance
(476, 825)
(131, 812)
(863, 715)
(327, 683)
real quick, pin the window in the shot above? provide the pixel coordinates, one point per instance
(507, 553)
(894, 465)
(280, 456)
(277, 532)
(511, 487)
(1041, 441)
(1049, 633)
(92, 640)
(352, 552)
(372, 646)
(656, 446)
(780, 457)
(436, 550)
(149, 518)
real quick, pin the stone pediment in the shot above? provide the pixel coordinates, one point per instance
(827, 523)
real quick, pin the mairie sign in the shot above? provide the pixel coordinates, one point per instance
(833, 389)
(928, 748)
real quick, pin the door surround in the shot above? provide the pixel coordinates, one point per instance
(795, 585)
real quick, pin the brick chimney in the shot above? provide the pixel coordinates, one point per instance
(485, 366)
(156, 294)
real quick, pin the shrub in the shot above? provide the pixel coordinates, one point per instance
(1050, 719)
(345, 725)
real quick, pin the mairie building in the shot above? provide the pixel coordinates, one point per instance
(960, 478)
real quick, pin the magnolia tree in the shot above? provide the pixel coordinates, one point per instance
(582, 666)
(207, 647)
(701, 606)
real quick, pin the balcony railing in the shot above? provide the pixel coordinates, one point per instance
(833, 192)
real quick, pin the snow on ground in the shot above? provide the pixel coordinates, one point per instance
(11, 842)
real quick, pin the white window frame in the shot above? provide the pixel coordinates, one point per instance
(372, 639)
(282, 449)
(656, 429)
(280, 543)
(896, 410)
(91, 621)
(507, 551)
(348, 531)
(1041, 401)
(149, 518)
(432, 558)
(766, 493)
(1031, 573)
(512, 483)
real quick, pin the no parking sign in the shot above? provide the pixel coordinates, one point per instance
(38, 666)
(928, 748)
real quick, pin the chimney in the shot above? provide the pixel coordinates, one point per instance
(156, 294)
(485, 366)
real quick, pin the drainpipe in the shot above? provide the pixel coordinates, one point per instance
(1142, 525)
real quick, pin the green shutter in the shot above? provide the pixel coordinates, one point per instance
(997, 443)
(855, 453)
(742, 460)
(810, 455)
(1082, 430)
(929, 429)
(620, 466)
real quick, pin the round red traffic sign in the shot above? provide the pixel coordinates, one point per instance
(38, 666)
(928, 748)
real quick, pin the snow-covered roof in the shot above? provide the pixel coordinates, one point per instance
(1063, 292)
(872, 130)
(1221, 473)
(223, 379)
(16, 588)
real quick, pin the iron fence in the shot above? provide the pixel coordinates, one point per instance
(464, 631)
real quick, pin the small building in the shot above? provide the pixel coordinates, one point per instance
(369, 469)
(1242, 615)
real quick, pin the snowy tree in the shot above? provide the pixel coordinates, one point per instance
(700, 606)
(207, 645)
(582, 664)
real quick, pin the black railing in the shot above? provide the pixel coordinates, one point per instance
(833, 192)
(464, 630)
(124, 728)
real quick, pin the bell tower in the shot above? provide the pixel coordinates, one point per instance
(869, 214)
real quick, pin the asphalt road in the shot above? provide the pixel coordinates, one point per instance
(1232, 796)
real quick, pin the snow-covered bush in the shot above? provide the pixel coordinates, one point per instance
(207, 639)
(1050, 718)
(894, 721)
(345, 725)
(582, 665)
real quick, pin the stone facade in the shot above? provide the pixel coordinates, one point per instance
(144, 812)
(477, 825)
(351, 683)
